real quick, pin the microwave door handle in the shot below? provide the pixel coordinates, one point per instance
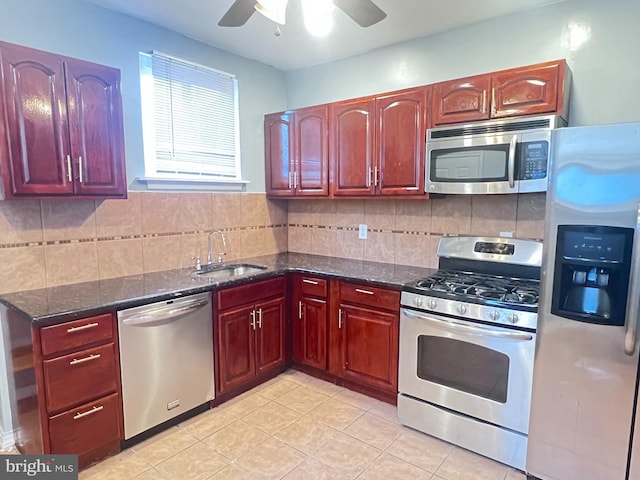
(512, 161)
(631, 325)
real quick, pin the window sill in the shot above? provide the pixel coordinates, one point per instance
(193, 184)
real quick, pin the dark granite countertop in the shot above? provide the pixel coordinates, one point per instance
(57, 304)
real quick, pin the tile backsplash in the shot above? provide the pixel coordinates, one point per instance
(407, 231)
(55, 242)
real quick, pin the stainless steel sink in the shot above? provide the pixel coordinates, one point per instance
(219, 272)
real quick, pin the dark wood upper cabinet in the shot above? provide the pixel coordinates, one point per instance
(352, 147)
(311, 151)
(530, 90)
(400, 142)
(461, 100)
(62, 132)
(279, 163)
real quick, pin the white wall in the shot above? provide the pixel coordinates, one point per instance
(78, 29)
(606, 69)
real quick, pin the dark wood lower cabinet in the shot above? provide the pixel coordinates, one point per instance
(369, 347)
(250, 334)
(310, 332)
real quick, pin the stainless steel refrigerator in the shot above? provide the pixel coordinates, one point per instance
(584, 403)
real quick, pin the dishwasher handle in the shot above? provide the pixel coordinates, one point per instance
(157, 315)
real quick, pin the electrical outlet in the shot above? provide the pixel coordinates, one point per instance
(362, 231)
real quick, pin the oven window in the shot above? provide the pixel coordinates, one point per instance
(463, 366)
(485, 163)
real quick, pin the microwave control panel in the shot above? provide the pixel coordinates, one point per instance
(534, 158)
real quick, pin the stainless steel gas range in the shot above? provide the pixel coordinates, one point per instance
(467, 340)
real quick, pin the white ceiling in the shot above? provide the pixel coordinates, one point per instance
(295, 48)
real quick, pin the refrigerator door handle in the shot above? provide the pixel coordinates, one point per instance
(634, 293)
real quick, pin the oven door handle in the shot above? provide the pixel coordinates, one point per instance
(511, 167)
(484, 331)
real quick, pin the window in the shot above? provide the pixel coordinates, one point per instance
(190, 121)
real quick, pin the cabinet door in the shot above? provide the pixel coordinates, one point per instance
(36, 137)
(369, 346)
(94, 106)
(352, 147)
(310, 332)
(311, 151)
(400, 142)
(278, 155)
(270, 334)
(235, 347)
(461, 100)
(524, 91)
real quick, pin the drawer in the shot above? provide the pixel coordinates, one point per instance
(314, 286)
(77, 334)
(371, 296)
(86, 427)
(249, 293)
(79, 377)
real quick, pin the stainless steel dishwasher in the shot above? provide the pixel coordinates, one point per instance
(166, 357)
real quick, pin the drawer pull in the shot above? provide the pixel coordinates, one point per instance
(76, 361)
(312, 282)
(339, 318)
(368, 292)
(82, 327)
(88, 412)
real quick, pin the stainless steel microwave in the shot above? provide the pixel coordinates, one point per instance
(497, 156)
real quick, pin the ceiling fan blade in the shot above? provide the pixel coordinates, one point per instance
(364, 12)
(238, 13)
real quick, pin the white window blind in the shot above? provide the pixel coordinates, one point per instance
(190, 120)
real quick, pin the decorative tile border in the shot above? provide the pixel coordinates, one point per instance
(134, 237)
(375, 230)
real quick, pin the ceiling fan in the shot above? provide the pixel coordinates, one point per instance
(364, 12)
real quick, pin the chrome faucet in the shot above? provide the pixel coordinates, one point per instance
(224, 245)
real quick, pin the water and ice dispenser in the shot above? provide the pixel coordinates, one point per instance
(591, 277)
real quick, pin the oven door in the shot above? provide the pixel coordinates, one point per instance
(474, 369)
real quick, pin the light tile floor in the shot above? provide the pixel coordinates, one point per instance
(297, 427)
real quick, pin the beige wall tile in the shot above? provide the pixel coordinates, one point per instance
(195, 212)
(380, 214)
(226, 210)
(234, 245)
(254, 210)
(451, 214)
(119, 258)
(193, 245)
(492, 214)
(413, 215)
(300, 211)
(530, 215)
(282, 239)
(161, 253)
(20, 222)
(323, 242)
(412, 250)
(348, 245)
(277, 211)
(71, 263)
(254, 242)
(323, 212)
(349, 213)
(161, 212)
(299, 239)
(380, 247)
(433, 251)
(22, 269)
(119, 217)
(68, 219)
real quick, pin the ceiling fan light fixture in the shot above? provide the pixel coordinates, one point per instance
(274, 10)
(318, 16)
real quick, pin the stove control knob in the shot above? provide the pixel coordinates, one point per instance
(494, 315)
(513, 317)
(418, 301)
(462, 309)
(433, 304)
